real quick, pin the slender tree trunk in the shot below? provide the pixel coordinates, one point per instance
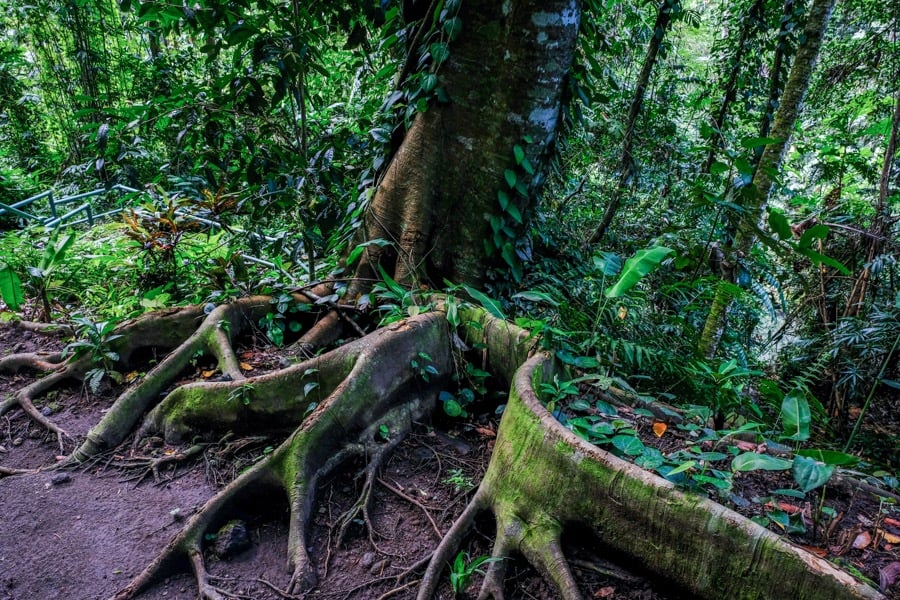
(626, 161)
(776, 81)
(755, 14)
(879, 228)
(755, 198)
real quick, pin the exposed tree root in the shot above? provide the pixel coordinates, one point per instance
(542, 479)
(150, 465)
(368, 389)
(163, 329)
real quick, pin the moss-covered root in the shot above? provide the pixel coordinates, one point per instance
(542, 478)
(189, 331)
(164, 329)
(366, 413)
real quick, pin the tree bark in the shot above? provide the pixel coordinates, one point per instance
(757, 194)
(782, 49)
(504, 80)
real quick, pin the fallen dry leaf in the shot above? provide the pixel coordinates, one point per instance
(207, 374)
(889, 537)
(486, 431)
(659, 428)
(862, 540)
(820, 552)
(246, 366)
(746, 446)
(891, 522)
(247, 355)
(789, 508)
(131, 376)
(605, 592)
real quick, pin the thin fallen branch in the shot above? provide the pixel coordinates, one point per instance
(414, 502)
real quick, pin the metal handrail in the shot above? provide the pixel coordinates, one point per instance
(54, 219)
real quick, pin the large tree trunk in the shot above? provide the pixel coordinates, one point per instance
(504, 79)
(756, 196)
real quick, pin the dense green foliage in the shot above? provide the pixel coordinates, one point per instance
(275, 120)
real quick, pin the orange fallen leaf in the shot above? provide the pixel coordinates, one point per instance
(129, 377)
(605, 592)
(207, 374)
(623, 312)
(820, 552)
(659, 428)
(246, 366)
(486, 432)
(789, 508)
(889, 537)
(862, 540)
(891, 522)
(246, 355)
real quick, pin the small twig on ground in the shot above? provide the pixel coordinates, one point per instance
(399, 589)
(414, 502)
(277, 590)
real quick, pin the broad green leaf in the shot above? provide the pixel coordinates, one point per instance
(779, 224)
(716, 482)
(830, 457)
(489, 304)
(360, 248)
(820, 259)
(513, 211)
(452, 27)
(520, 154)
(453, 408)
(586, 362)
(643, 262)
(810, 473)
(534, 296)
(608, 263)
(580, 404)
(816, 232)
(717, 168)
(510, 177)
(10, 287)
(503, 198)
(795, 416)
(789, 492)
(628, 444)
(756, 142)
(439, 52)
(398, 290)
(751, 461)
(682, 467)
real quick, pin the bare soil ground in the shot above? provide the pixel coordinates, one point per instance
(83, 534)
